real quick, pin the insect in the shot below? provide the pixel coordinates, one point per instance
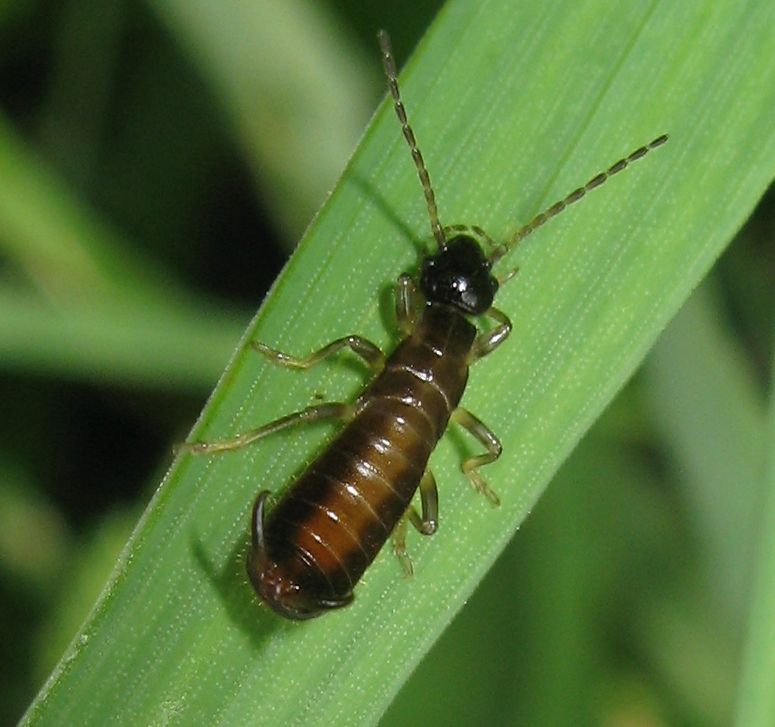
(308, 551)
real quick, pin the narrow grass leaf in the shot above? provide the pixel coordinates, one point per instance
(514, 104)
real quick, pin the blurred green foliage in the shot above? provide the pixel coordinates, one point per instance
(147, 199)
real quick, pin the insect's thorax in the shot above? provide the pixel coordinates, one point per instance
(429, 368)
(444, 331)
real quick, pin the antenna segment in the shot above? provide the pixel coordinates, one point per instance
(430, 198)
(543, 217)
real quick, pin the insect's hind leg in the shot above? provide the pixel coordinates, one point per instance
(364, 348)
(471, 465)
(425, 523)
(315, 413)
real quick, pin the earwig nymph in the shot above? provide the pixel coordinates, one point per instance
(309, 550)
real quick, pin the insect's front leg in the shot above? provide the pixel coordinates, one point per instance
(487, 342)
(471, 466)
(316, 413)
(408, 303)
(364, 348)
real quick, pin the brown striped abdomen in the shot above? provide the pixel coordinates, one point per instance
(331, 523)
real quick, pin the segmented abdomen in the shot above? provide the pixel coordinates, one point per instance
(332, 522)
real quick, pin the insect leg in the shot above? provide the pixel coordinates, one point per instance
(364, 348)
(487, 342)
(425, 524)
(471, 466)
(399, 547)
(407, 303)
(315, 413)
(428, 522)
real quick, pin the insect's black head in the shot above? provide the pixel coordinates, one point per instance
(459, 275)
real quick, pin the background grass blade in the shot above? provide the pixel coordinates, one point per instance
(111, 343)
(92, 294)
(297, 125)
(755, 702)
(722, 483)
(514, 105)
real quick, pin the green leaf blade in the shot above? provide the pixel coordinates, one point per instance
(512, 110)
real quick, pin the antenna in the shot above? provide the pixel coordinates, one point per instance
(575, 196)
(430, 198)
